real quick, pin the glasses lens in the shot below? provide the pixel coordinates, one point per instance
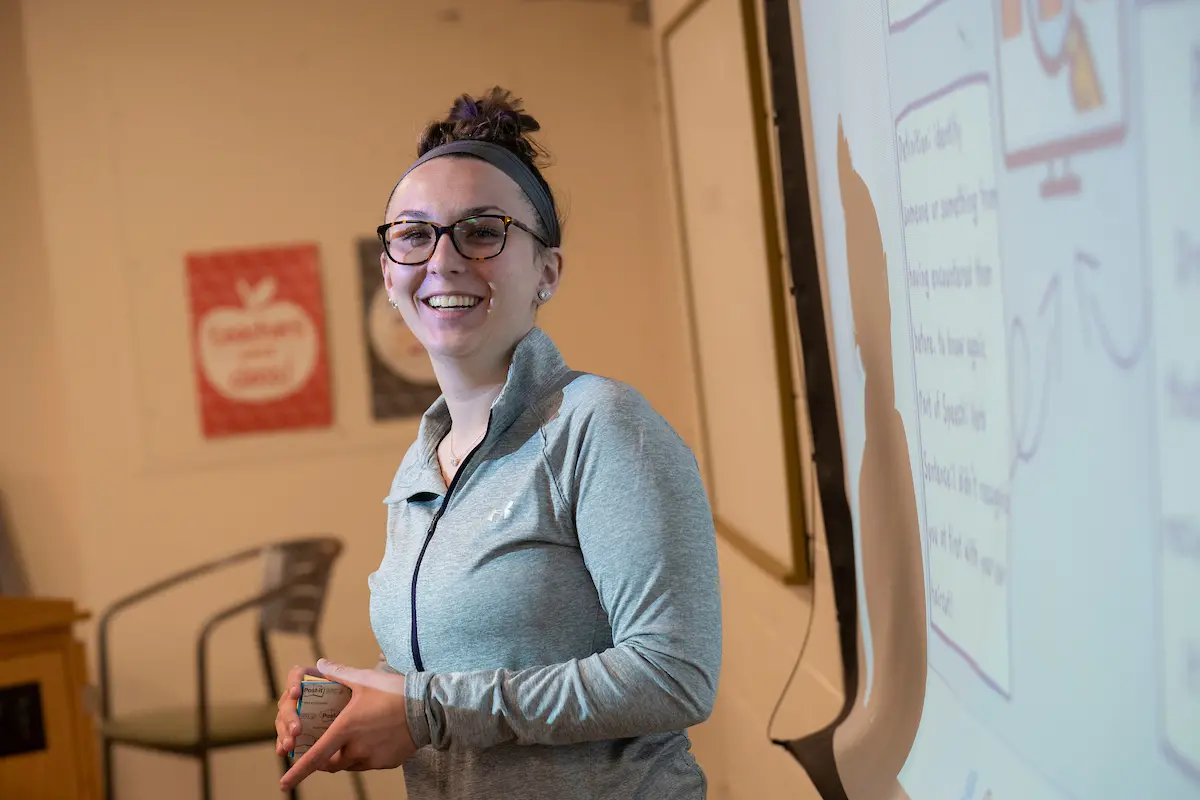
(410, 242)
(480, 237)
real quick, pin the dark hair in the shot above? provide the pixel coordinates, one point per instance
(498, 117)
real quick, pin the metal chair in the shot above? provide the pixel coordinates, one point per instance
(295, 577)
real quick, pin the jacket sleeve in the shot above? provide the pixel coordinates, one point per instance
(646, 533)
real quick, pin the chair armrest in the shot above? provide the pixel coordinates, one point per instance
(145, 593)
(212, 624)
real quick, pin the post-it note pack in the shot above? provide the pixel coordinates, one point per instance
(320, 702)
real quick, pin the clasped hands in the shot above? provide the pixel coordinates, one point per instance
(370, 733)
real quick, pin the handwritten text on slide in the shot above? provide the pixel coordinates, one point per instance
(947, 188)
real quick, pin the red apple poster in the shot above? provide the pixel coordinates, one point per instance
(258, 340)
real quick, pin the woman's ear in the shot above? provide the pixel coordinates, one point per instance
(551, 271)
(387, 273)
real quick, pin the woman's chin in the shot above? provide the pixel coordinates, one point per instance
(450, 333)
(473, 335)
(452, 344)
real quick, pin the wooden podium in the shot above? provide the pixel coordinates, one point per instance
(47, 738)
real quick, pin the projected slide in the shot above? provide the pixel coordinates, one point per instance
(952, 248)
(1170, 89)
(1034, 171)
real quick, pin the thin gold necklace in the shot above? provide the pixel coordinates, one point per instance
(454, 459)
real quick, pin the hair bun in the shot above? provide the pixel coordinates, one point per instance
(497, 116)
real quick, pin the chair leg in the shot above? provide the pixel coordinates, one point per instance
(108, 770)
(360, 789)
(294, 793)
(205, 777)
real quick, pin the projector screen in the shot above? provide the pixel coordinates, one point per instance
(1008, 197)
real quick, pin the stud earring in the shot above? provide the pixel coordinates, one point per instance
(392, 302)
(544, 295)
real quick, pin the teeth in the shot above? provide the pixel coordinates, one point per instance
(452, 301)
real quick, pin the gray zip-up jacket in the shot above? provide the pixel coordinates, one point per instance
(556, 609)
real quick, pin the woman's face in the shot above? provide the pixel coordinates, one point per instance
(503, 290)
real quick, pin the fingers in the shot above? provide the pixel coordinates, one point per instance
(383, 678)
(335, 671)
(342, 761)
(297, 673)
(287, 722)
(286, 731)
(285, 740)
(287, 725)
(291, 689)
(348, 676)
(317, 756)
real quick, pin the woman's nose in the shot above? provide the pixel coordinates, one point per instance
(445, 258)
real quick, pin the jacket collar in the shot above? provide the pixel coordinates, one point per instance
(537, 367)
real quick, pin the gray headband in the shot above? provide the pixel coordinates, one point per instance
(507, 162)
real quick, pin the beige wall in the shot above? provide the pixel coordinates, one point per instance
(141, 130)
(35, 464)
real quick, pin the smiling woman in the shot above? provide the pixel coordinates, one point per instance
(476, 179)
(547, 603)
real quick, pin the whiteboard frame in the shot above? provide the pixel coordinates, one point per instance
(799, 571)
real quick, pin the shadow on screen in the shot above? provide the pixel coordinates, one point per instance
(859, 755)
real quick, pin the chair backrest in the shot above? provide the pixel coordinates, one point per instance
(308, 562)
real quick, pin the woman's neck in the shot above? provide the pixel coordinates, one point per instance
(470, 388)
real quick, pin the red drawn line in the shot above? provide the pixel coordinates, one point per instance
(945, 637)
(950, 88)
(913, 18)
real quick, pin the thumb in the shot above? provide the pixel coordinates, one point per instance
(339, 672)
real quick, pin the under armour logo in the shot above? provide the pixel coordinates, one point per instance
(499, 514)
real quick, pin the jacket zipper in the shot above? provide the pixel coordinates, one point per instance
(418, 664)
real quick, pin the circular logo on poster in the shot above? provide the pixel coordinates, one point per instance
(395, 344)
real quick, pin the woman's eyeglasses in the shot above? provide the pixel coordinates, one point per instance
(412, 242)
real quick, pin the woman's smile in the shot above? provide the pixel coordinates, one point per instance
(451, 307)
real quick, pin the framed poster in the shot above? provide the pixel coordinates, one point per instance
(402, 379)
(740, 343)
(258, 340)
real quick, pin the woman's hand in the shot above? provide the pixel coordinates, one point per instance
(287, 722)
(370, 733)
